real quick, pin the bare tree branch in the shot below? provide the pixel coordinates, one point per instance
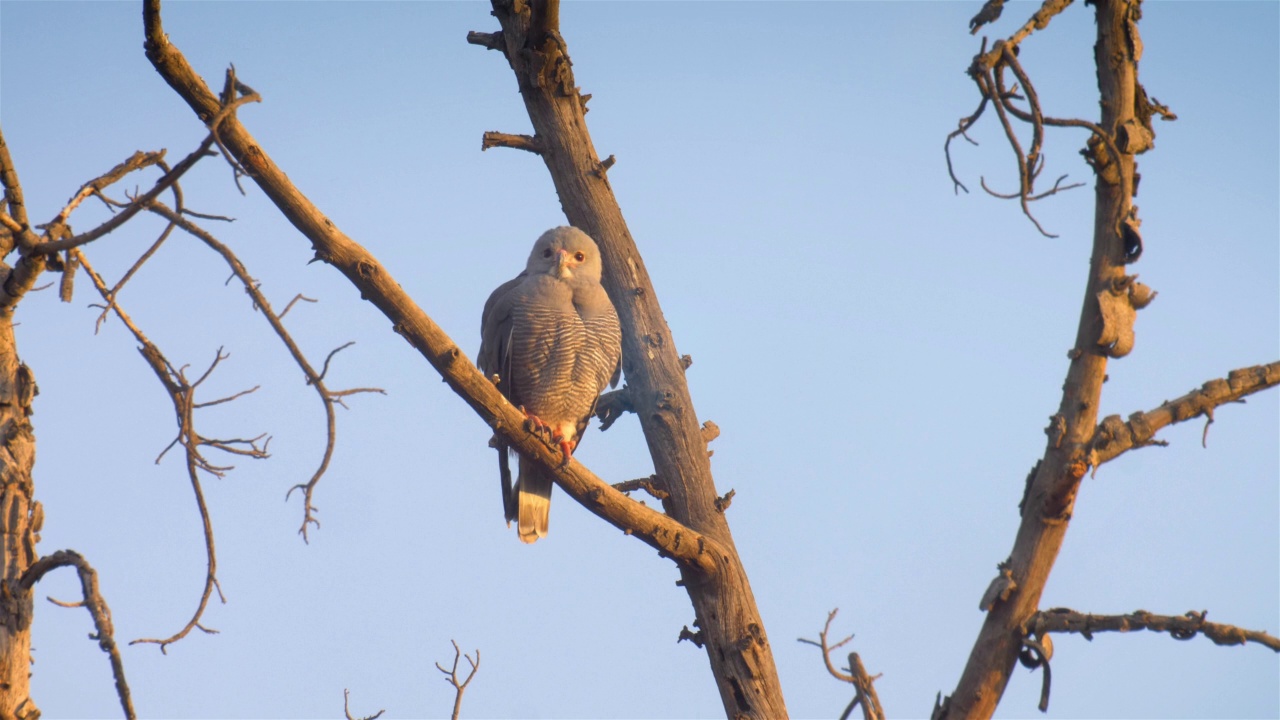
(98, 610)
(451, 676)
(316, 380)
(181, 394)
(855, 674)
(527, 143)
(1179, 627)
(1115, 436)
(493, 41)
(651, 485)
(346, 708)
(138, 204)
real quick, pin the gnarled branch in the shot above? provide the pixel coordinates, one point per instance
(98, 610)
(1179, 627)
(1115, 436)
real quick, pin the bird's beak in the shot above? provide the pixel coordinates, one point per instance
(564, 264)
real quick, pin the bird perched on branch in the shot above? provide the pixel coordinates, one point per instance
(551, 338)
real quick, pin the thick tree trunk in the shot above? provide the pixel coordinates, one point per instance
(1052, 492)
(19, 523)
(731, 629)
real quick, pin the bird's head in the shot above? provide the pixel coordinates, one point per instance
(567, 253)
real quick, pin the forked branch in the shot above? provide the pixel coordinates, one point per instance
(459, 684)
(346, 708)
(987, 72)
(864, 693)
(182, 395)
(328, 397)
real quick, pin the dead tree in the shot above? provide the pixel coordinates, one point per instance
(692, 531)
(1078, 442)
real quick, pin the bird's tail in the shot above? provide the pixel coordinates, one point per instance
(532, 501)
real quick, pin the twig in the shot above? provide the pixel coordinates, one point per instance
(451, 676)
(987, 71)
(141, 202)
(1179, 627)
(346, 708)
(855, 674)
(327, 397)
(294, 301)
(961, 131)
(137, 161)
(115, 290)
(229, 104)
(181, 394)
(98, 610)
(651, 485)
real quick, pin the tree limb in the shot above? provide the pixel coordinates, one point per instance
(1114, 436)
(1179, 627)
(346, 708)
(98, 610)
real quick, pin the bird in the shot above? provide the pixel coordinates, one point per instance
(989, 13)
(551, 341)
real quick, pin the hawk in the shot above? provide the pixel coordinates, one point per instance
(550, 339)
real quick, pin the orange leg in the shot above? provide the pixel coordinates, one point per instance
(534, 424)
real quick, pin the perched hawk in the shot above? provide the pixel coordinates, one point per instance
(552, 338)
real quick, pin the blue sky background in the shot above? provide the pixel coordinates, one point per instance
(881, 354)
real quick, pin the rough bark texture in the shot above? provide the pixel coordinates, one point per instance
(1052, 492)
(20, 515)
(19, 523)
(731, 629)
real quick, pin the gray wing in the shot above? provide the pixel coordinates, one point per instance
(495, 358)
(495, 334)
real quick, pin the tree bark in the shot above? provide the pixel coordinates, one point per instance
(731, 629)
(20, 515)
(19, 525)
(1051, 496)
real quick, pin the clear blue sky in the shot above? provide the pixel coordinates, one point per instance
(881, 355)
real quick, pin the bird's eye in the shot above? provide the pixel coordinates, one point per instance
(579, 256)
(546, 253)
